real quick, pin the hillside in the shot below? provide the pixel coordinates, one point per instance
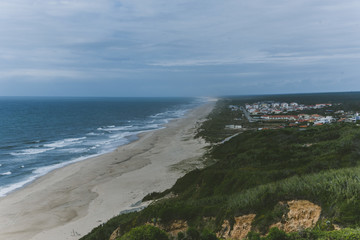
(304, 182)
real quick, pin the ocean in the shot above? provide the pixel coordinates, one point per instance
(39, 134)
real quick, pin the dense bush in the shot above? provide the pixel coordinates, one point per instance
(146, 232)
(276, 234)
(257, 169)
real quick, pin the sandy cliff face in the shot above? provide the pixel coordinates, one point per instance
(240, 229)
(172, 228)
(302, 215)
(176, 227)
(115, 234)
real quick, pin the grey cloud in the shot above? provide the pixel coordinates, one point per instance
(250, 44)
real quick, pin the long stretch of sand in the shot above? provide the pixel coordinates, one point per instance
(67, 203)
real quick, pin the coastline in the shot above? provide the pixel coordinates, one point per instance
(68, 202)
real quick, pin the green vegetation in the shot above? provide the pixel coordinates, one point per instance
(213, 130)
(350, 100)
(252, 173)
(316, 234)
(147, 232)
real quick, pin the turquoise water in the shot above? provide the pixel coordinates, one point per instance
(38, 135)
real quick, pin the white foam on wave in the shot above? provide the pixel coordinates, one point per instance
(38, 173)
(76, 150)
(105, 145)
(65, 142)
(93, 134)
(121, 135)
(9, 188)
(166, 117)
(6, 173)
(114, 128)
(31, 151)
(44, 170)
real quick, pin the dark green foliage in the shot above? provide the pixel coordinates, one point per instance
(276, 234)
(125, 221)
(324, 225)
(192, 234)
(343, 234)
(155, 195)
(147, 232)
(206, 235)
(255, 158)
(181, 236)
(256, 170)
(267, 216)
(253, 236)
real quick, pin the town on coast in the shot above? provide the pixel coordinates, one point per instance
(293, 114)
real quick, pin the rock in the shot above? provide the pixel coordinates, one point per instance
(172, 228)
(240, 229)
(225, 230)
(177, 226)
(115, 234)
(302, 215)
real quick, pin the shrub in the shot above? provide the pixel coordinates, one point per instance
(206, 235)
(147, 232)
(276, 234)
(192, 234)
(180, 236)
(253, 236)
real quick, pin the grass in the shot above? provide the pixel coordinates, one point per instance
(255, 170)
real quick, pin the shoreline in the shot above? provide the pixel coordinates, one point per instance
(41, 171)
(82, 195)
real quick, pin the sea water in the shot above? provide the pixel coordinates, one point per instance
(38, 135)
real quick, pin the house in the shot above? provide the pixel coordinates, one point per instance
(233, 126)
(316, 116)
(304, 116)
(280, 117)
(275, 105)
(324, 120)
(357, 117)
(277, 111)
(320, 105)
(284, 105)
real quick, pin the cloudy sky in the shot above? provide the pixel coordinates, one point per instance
(178, 47)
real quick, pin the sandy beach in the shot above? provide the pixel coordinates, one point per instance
(68, 202)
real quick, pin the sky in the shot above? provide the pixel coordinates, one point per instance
(178, 48)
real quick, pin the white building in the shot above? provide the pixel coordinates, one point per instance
(284, 105)
(325, 120)
(275, 105)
